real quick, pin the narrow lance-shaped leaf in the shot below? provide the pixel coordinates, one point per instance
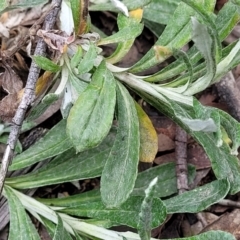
(179, 26)
(60, 232)
(224, 164)
(120, 171)
(5, 5)
(52, 144)
(87, 164)
(76, 57)
(148, 137)
(131, 5)
(80, 13)
(166, 186)
(126, 214)
(225, 21)
(21, 226)
(87, 63)
(38, 110)
(198, 199)
(90, 118)
(206, 44)
(124, 47)
(124, 34)
(164, 7)
(146, 213)
(209, 236)
(46, 64)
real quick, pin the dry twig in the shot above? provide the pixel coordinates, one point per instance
(181, 160)
(181, 166)
(28, 95)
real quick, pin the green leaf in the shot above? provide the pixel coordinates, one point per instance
(49, 225)
(130, 4)
(5, 6)
(208, 19)
(155, 28)
(232, 128)
(224, 164)
(77, 86)
(126, 214)
(74, 200)
(225, 21)
(211, 235)
(178, 25)
(160, 11)
(52, 144)
(76, 7)
(46, 64)
(124, 34)
(146, 213)
(21, 226)
(120, 171)
(38, 110)
(167, 182)
(75, 60)
(176, 34)
(87, 63)
(134, 4)
(90, 118)
(206, 44)
(4, 139)
(123, 47)
(198, 199)
(60, 232)
(87, 164)
(166, 185)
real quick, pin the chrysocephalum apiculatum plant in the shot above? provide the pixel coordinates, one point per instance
(95, 91)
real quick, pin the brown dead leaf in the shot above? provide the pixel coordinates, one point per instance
(165, 143)
(198, 227)
(165, 126)
(197, 156)
(56, 39)
(166, 158)
(11, 82)
(208, 99)
(8, 107)
(229, 222)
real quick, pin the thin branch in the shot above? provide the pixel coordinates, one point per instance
(181, 166)
(181, 160)
(28, 96)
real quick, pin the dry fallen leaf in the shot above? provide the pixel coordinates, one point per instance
(56, 39)
(8, 107)
(229, 222)
(11, 82)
